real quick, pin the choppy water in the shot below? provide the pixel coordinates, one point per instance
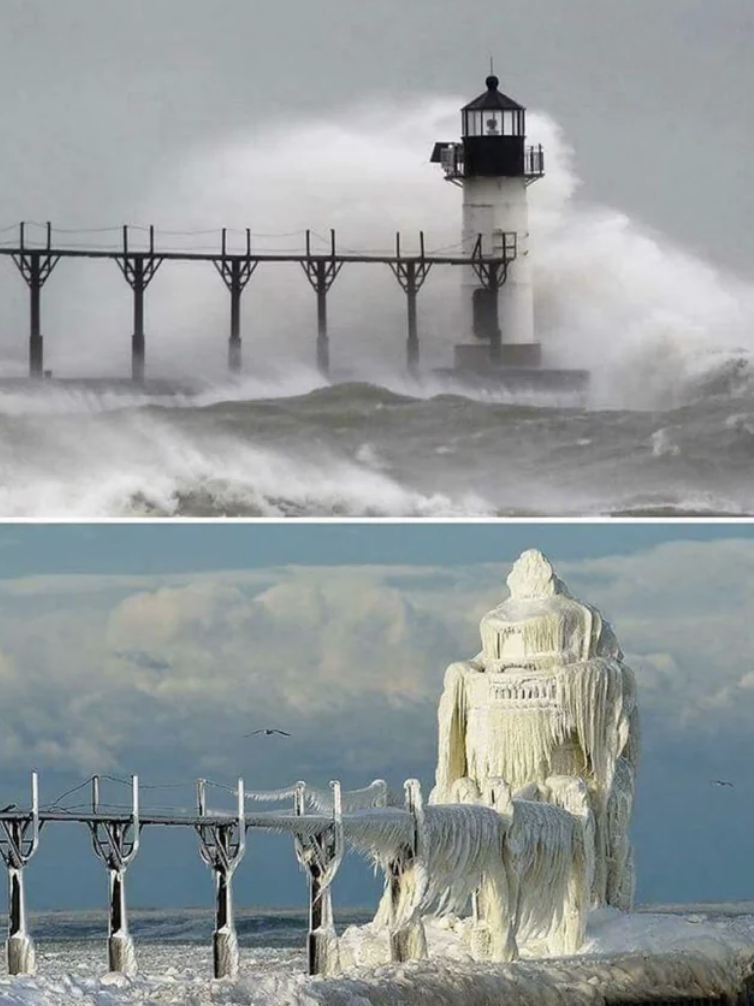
(370, 449)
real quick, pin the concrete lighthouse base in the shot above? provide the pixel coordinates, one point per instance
(476, 357)
(518, 369)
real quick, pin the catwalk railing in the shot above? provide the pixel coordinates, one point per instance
(438, 856)
(319, 845)
(139, 253)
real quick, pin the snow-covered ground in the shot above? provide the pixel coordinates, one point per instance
(650, 955)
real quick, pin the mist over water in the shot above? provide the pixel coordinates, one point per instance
(669, 424)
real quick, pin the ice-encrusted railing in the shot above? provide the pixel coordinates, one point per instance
(517, 862)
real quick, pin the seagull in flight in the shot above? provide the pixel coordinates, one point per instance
(268, 732)
(721, 782)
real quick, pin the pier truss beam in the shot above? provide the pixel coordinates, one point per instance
(236, 271)
(322, 271)
(411, 273)
(138, 269)
(116, 843)
(35, 265)
(222, 849)
(19, 839)
(320, 856)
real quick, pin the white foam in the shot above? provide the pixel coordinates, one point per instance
(141, 464)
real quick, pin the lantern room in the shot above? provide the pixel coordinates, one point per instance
(493, 135)
(493, 114)
(493, 141)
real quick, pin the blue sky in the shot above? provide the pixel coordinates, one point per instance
(155, 648)
(30, 549)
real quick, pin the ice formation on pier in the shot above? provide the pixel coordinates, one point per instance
(529, 816)
(526, 826)
(549, 707)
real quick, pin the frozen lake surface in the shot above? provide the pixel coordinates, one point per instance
(697, 948)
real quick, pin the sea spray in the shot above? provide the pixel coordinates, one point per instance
(668, 339)
(647, 318)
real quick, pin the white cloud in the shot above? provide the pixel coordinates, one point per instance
(99, 672)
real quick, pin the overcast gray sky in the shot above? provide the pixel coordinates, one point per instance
(154, 649)
(99, 96)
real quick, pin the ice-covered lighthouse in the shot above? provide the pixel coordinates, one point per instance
(494, 166)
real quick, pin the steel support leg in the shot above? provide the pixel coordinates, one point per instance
(412, 342)
(138, 339)
(36, 343)
(234, 343)
(323, 339)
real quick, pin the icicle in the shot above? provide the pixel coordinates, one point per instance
(271, 795)
(376, 794)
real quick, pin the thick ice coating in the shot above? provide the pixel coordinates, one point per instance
(548, 696)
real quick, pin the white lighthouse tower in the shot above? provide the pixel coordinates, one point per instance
(495, 167)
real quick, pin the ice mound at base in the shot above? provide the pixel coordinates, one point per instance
(610, 932)
(634, 956)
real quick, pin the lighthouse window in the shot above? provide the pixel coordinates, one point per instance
(494, 122)
(513, 123)
(474, 124)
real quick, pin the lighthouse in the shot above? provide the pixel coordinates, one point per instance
(494, 167)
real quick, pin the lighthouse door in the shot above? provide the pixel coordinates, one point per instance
(485, 320)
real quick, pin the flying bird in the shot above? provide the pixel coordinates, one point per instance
(721, 782)
(143, 659)
(268, 732)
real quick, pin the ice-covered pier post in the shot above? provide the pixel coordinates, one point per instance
(19, 839)
(320, 856)
(116, 843)
(408, 940)
(222, 849)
